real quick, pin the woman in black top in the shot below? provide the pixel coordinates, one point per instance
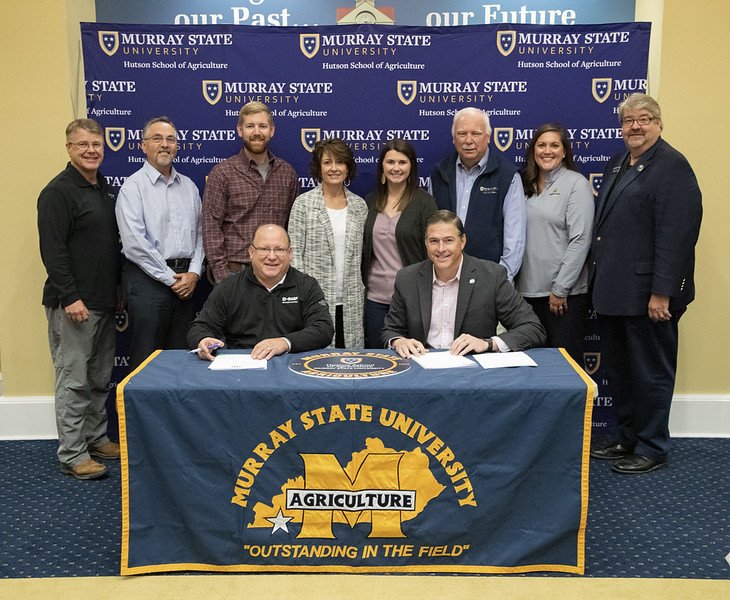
(394, 233)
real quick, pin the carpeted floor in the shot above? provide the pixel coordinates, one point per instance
(673, 523)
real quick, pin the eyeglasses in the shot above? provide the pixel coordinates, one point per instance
(628, 121)
(157, 139)
(85, 145)
(265, 250)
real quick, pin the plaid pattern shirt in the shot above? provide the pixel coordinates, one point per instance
(237, 201)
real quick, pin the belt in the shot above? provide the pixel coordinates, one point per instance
(235, 267)
(179, 265)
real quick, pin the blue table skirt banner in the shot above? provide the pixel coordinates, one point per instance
(466, 470)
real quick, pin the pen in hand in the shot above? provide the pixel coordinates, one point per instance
(210, 347)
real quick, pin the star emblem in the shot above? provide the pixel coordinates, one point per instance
(279, 522)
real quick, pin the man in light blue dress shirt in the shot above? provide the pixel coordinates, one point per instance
(485, 190)
(158, 212)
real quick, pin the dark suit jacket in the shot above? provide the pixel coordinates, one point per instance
(644, 233)
(486, 297)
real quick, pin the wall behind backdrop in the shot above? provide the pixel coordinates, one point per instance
(42, 98)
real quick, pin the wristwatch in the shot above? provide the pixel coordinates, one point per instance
(490, 344)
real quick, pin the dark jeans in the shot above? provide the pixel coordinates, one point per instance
(566, 331)
(374, 321)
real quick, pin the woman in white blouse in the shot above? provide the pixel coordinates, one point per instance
(325, 227)
(554, 273)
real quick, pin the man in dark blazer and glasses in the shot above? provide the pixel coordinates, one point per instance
(642, 265)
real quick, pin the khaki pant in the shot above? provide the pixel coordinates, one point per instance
(83, 356)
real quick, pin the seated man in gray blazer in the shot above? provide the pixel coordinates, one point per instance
(454, 301)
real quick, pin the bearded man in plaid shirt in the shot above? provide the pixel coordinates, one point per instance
(245, 191)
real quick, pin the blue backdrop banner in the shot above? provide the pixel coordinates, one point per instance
(366, 84)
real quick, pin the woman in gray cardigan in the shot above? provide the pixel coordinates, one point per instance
(395, 231)
(325, 227)
(554, 273)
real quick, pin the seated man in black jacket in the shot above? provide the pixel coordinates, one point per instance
(269, 307)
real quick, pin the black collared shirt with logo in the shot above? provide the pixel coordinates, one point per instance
(243, 312)
(79, 241)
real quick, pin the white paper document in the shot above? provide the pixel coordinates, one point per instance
(434, 359)
(496, 360)
(229, 362)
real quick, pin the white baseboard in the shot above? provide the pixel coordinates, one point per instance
(33, 418)
(27, 418)
(700, 415)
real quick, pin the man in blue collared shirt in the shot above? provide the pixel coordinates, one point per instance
(484, 190)
(158, 212)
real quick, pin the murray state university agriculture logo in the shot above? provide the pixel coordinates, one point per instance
(327, 473)
(379, 486)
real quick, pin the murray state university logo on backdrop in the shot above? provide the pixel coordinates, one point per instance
(114, 137)
(309, 44)
(592, 361)
(310, 137)
(407, 91)
(506, 41)
(212, 90)
(122, 321)
(601, 88)
(109, 42)
(596, 179)
(503, 137)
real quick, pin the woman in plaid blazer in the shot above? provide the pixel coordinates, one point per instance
(326, 231)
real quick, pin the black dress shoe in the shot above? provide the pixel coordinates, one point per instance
(637, 464)
(611, 452)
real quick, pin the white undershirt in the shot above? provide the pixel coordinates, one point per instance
(338, 218)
